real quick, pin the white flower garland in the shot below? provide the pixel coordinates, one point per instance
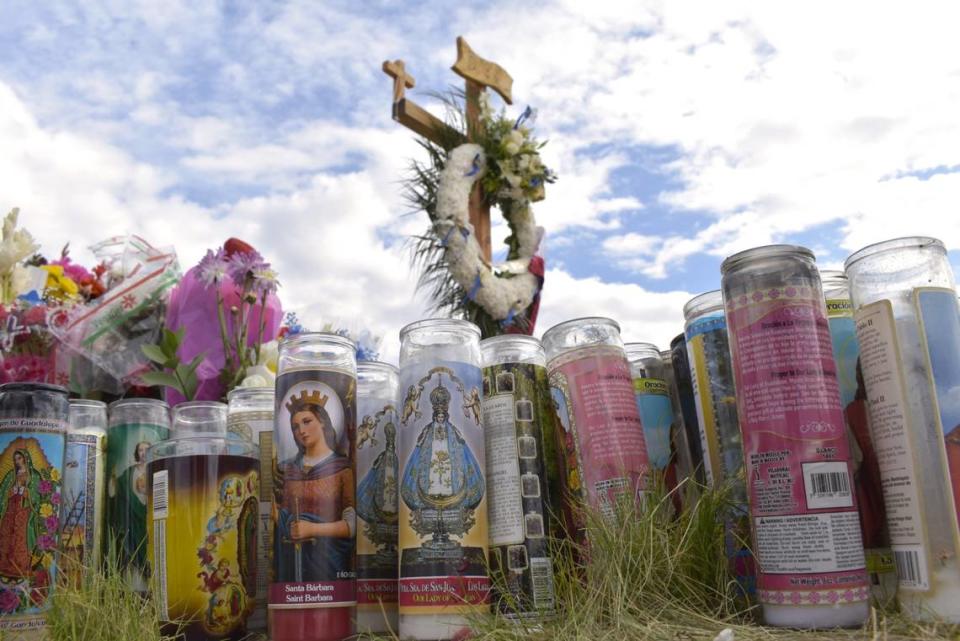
(502, 290)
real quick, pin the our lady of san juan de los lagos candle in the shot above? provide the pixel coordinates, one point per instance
(313, 593)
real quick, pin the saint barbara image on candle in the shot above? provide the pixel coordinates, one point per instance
(29, 522)
(314, 499)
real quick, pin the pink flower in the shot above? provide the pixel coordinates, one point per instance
(46, 542)
(9, 601)
(213, 268)
(52, 522)
(46, 487)
(55, 498)
(72, 270)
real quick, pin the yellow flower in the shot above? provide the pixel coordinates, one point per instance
(59, 286)
(46, 510)
(47, 559)
(55, 475)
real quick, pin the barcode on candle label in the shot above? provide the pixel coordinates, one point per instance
(160, 485)
(827, 485)
(160, 565)
(911, 567)
(541, 579)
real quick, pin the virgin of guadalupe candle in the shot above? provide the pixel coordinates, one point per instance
(313, 592)
(84, 489)
(443, 499)
(33, 427)
(520, 443)
(202, 526)
(250, 418)
(135, 425)
(908, 326)
(866, 466)
(378, 485)
(806, 528)
(711, 374)
(592, 389)
(687, 404)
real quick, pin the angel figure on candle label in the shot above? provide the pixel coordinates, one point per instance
(314, 495)
(443, 483)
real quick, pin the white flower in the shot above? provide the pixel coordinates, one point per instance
(259, 374)
(269, 355)
(15, 245)
(255, 381)
(512, 178)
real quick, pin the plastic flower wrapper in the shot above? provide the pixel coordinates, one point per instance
(110, 330)
(213, 304)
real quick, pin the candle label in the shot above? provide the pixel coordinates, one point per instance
(940, 325)
(257, 427)
(656, 415)
(519, 445)
(866, 467)
(81, 508)
(805, 521)
(31, 469)
(443, 500)
(890, 428)
(711, 374)
(127, 491)
(603, 423)
(202, 542)
(377, 502)
(314, 493)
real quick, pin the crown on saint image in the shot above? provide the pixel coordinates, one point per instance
(440, 397)
(305, 398)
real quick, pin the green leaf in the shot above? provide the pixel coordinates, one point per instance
(189, 379)
(160, 379)
(155, 353)
(169, 342)
(195, 363)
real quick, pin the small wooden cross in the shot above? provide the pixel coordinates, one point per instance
(478, 74)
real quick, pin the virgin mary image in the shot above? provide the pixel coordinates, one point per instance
(314, 492)
(377, 492)
(442, 474)
(19, 516)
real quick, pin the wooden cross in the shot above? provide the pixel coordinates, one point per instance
(478, 74)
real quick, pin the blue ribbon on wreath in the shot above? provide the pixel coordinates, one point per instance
(475, 168)
(474, 289)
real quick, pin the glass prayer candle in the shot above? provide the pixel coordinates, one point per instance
(378, 483)
(866, 466)
(592, 389)
(518, 422)
(135, 424)
(908, 326)
(687, 404)
(443, 499)
(33, 428)
(202, 526)
(681, 446)
(250, 418)
(806, 529)
(84, 488)
(313, 592)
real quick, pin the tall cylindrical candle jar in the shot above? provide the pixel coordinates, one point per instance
(592, 388)
(443, 498)
(33, 430)
(313, 592)
(711, 373)
(82, 509)
(250, 418)
(202, 526)
(378, 484)
(806, 527)
(518, 422)
(135, 424)
(908, 326)
(681, 446)
(866, 465)
(688, 404)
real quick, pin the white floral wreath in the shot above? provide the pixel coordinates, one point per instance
(503, 290)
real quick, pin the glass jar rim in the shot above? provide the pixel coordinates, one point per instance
(87, 403)
(133, 402)
(28, 386)
(250, 450)
(703, 303)
(598, 320)
(639, 349)
(766, 251)
(905, 242)
(508, 339)
(199, 404)
(440, 323)
(329, 337)
(377, 366)
(238, 392)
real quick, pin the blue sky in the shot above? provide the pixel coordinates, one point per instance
(682, 132)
